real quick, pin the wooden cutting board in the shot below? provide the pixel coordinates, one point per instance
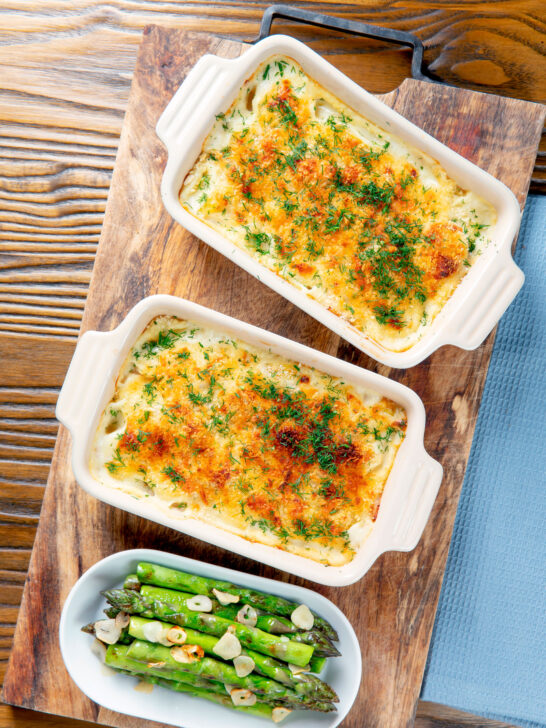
(141, 252)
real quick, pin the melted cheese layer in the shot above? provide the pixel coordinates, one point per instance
(369, 226)
(213, 428)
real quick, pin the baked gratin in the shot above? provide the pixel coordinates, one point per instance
(365, 224)
(213, 428)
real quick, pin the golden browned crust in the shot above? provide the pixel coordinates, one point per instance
(271, 448)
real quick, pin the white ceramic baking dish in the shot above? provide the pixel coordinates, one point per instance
(409, 492)
(117, 692)
(483, 295)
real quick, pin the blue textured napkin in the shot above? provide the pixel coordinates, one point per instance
(488, 651)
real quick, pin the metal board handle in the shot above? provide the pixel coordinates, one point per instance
(348, 26)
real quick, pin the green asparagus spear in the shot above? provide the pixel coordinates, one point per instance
(132, 582)
(263, 710)
(176, 599)
(318, 640)
(136, 603)
(215, 692)
(302, 683)
(280, 625)
(316, 664)
(192, 684)
(162, 576)
(165, 665)
(268, 622)
(117, 658)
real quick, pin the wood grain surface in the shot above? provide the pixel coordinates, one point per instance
(65, 73)
(143, 251)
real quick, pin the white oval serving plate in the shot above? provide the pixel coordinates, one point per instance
(117, 692)
(409, 493)
(484, 293)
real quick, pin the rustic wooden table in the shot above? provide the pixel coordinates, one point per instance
(66, 72)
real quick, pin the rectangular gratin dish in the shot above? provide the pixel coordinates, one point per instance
(409, 492)
(479, 300)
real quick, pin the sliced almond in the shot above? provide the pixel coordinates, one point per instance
(187, 653)
(302, 617)
(161, 663)
(225, 598)
(297, 669)
(278, 714)
(123, 619)
(247, 615)
(199, 603)
(227, 647)
(229, 688)
(176, 636)
(106, 630)
(242, 697)
(243, 665)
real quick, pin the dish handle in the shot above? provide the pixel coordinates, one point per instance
(89, 372)
(487, 302)
(204, 85)
(425, 478)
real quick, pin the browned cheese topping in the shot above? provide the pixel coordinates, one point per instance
(368, 226)
(279, 452)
